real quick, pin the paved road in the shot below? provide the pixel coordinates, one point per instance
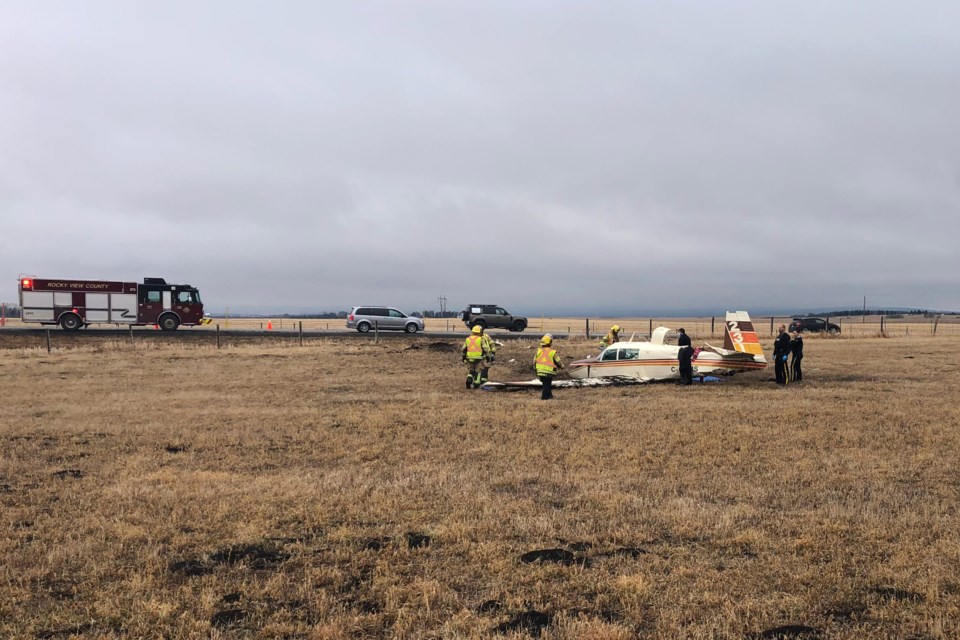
(185, 334)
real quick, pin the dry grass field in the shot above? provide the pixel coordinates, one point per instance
(345, 489)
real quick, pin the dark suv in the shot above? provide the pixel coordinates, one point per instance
(813, 324)
(492, 316)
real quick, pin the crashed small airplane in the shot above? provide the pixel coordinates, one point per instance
(656, 360)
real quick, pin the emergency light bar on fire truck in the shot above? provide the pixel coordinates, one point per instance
(75, 303)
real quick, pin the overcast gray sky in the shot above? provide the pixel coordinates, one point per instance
(547, 156)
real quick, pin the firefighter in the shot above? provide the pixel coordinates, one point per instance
(491, 349)
(547, 363)
(796, 348)
(474, 353)
(685, 357)
(612, 336)
(781, 349)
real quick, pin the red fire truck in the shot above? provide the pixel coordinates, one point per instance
(75, 303)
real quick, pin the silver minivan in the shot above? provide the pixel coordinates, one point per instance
(365, 318)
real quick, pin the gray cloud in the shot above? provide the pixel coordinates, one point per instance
(550, 156)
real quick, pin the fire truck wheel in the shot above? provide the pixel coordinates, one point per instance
(363, 327)
(70, 322)
(169, 322)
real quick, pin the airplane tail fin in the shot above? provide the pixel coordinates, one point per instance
(741, 336)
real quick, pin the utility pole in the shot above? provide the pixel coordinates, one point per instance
(443, 305)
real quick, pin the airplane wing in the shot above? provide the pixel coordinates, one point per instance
(614, 381)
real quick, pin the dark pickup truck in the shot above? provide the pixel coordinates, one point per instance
(490, 316)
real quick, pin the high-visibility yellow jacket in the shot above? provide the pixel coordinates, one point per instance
(473, 347)
(489, 344)
(547, 361)
(609, 339)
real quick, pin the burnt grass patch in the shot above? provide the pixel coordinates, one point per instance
(63, 474)
(898, 595)
(62, 591)
(227, 618)
(846, 612)
(611, 616)
(448, 347)
(787, 632)
(489, 606)
(190, 568)
(256, 556)
(577, 553)
(417, 540)
(376, 544)
(531, 621)
(66, 632)
(552, 556)
(623, 552)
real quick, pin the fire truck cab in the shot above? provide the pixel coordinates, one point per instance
(75, 303)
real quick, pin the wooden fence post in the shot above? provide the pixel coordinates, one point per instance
(376, 332)
(301, 333)
(218, 335)
(651, 327)
(713, 319)
(586, 331)
(48, 340)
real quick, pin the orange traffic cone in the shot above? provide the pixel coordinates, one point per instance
(269, 326)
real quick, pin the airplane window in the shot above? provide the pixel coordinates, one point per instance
(609, 354)
(629, 354)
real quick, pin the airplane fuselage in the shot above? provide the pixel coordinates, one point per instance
(648, 362)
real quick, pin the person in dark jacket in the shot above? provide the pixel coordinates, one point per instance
(796, 348)
(684, 356)
(781, 349)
